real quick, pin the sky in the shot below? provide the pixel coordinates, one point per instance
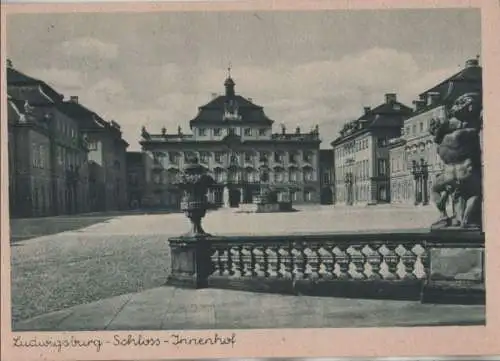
(304, 68)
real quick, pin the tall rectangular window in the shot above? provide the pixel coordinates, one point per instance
(382, 167)
(217, 132)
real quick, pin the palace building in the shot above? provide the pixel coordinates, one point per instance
(233, 138)
(414, 159)
(48, 167)
(361, 153)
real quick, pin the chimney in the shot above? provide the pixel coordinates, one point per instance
(390, 98)
(73, 99)
(367, 109)
(432, 98)
(472, 63)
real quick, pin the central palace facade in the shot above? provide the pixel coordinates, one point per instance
(233, 138)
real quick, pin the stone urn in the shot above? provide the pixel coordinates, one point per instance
(194, 182)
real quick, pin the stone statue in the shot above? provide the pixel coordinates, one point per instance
(458, 145)
(225, 197)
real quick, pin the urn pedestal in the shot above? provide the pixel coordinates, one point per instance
(190, 262)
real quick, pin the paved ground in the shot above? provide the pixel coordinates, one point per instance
(172, 308)
(128, 254)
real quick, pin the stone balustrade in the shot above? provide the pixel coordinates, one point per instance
(392, 264)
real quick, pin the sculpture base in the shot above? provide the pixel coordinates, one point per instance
(190, 261)
(455, 276)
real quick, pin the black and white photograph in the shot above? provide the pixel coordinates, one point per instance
(242, 170)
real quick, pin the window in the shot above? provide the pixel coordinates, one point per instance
(219, 175)
(262, 132)
(204, 157)
(263, 157)
(92, 145)
(407, 130)
(278, 157)
(278, 176)
(219, 156)
(156, 178)
(248, 157)
(217, 132)
(292, 157)
(173, 157)
(307, 195)
(382, 142)
(294, 175)
(309, 175)
(248, 132)
(326, 178)
(421, 126)
(307, 157)
(414, 129)
(202, 132)
(382, 167)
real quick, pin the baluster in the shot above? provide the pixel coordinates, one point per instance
(216, 263)
(425, 259)
(408, 259)
(312, 262)
(285, 267)
(326, 266)
(391, 259)
(259, 267)
(235, 261)
(342, 260)
(246, 260)
(272, 262)
(374, 259)
(298, 263)
(358, 260)
(225, 266)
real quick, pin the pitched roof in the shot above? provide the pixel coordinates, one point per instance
(213, 111)
(471, 73)
(87, 119)
(17, 78)
(388, 114)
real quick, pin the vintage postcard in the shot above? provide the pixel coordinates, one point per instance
(249, 179)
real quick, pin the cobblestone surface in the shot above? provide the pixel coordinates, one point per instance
(129, 253)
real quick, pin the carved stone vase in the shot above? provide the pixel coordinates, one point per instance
(194, 182)
(190, 253)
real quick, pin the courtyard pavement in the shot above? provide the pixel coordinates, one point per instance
(169, 308)
(111, 275)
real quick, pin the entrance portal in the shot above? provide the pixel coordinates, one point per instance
(326, 196)
(234, 198)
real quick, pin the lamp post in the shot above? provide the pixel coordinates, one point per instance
(424, 172)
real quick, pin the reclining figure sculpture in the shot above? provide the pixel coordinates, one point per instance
(458, 144)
